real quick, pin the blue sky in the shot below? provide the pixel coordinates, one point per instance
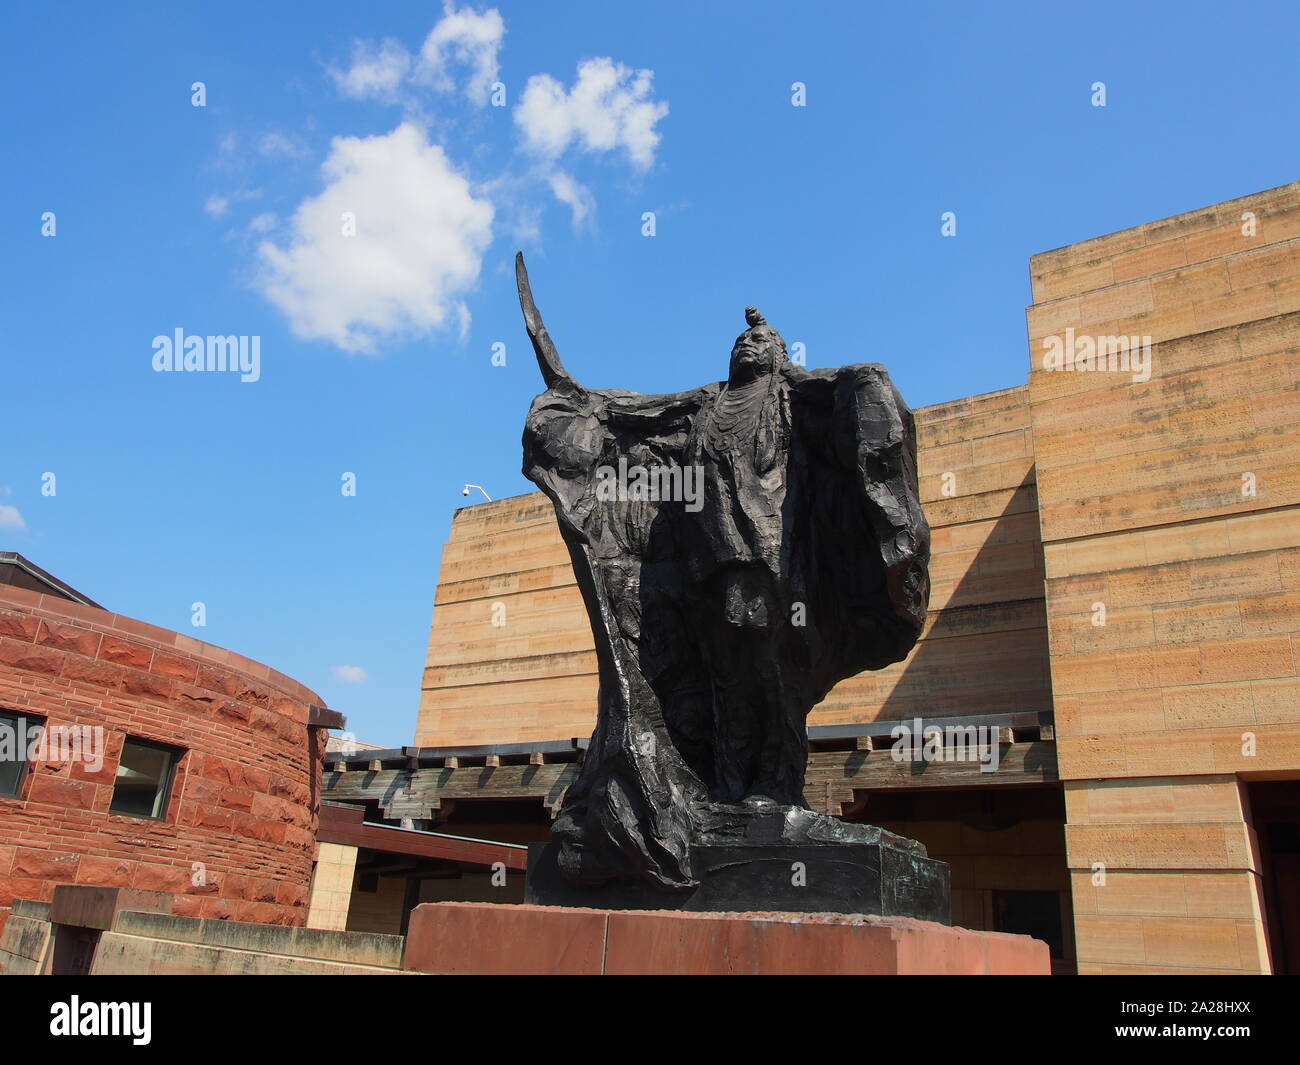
(376, 347)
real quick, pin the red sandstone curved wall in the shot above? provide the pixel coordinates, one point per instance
(244, 796)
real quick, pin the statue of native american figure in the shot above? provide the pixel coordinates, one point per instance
(741, 548)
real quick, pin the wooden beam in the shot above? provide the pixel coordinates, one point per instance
(427, 755)
(883, 729)
(346, 825)
(323, 717)
(1018, 763)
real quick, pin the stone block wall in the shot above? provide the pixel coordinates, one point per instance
(1170, 511)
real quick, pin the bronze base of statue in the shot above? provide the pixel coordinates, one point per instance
(764, 857)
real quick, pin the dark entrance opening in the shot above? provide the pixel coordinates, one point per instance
(1275, 816)
(1030, 913)
(74, 950)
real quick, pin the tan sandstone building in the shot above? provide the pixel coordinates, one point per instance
(1116, 594)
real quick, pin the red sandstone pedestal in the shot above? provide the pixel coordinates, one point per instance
(487, 939)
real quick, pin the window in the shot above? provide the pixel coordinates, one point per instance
(17, 731)
(144, 776)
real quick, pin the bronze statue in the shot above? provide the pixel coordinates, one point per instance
(741, 548)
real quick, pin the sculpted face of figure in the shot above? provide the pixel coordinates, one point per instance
(757, 351)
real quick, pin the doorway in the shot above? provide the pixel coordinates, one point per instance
(1275, 816)
(74, 950)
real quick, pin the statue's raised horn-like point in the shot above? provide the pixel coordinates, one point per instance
(548, 359)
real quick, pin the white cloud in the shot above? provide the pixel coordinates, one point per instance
(376, 72)
(609, 107)
(463, 40)
(576, 195)
(10, 518)
(350, 674)
(419, 243)
(420, 229)
(280, 145)
(466, 38)
(228, 154)
(218, 204)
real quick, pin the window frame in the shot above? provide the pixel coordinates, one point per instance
(163, 796)
(24, 767)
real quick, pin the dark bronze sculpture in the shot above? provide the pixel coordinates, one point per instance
(741, 548)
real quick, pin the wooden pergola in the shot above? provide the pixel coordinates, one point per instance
(413, 785)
